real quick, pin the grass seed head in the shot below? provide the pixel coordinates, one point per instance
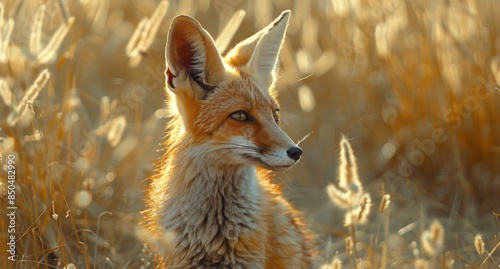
(5, 92)
(364, 208)
(28, 98)
(384, 203)
(349, 245)
(36, 30)
(338, 197)
(479, 244)
(432, 239)
(348, 168)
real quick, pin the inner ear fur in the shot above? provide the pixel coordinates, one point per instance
(259, 53)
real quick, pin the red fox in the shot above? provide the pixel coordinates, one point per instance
(211, 195)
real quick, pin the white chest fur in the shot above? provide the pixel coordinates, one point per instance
(221, 207)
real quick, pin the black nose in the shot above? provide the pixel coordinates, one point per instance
(294, 153)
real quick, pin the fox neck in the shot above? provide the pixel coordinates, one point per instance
(209, 204)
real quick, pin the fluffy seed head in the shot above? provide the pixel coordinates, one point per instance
(5, 92)
(28, 98)
(348, 168)
(432, 239)
(339, 198)
(479, 244)
(364, 208)
(384, 204)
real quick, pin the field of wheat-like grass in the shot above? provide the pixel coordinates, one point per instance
(398, 102)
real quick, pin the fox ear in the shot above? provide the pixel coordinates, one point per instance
(259, 53)
(191, 53)
(241, 53)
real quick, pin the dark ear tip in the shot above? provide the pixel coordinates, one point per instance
(285, 13)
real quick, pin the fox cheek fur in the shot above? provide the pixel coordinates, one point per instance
(209, 193)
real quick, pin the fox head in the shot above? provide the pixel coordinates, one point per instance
(227, 104)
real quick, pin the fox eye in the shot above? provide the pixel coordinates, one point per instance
(276, 115)
(240, 115)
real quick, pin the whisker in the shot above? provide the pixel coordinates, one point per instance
(284, 182)
(304, 78)
(240, 146)
(305, 137)
(233, 148)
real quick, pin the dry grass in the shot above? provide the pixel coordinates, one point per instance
(413, 84)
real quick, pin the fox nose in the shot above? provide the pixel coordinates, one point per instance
(294, 153)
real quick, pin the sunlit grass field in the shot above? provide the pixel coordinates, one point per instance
(413, 86)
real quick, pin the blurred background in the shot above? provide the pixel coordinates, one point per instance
(414, 85)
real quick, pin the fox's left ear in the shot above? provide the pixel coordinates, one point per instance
(259, 53)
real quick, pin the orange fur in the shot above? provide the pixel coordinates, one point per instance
(211, 204)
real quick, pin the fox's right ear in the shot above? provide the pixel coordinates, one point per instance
(191, 54)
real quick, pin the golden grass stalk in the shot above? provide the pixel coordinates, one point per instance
(383, 255)
(104, 128)
(133, 42)
(133, 49)
(5, 34)
(105, 108)
(144, 34)
(5, 92)
(115, 133)
(1, 15)
(348, 168)
(154, 24)
(432, 239)
(495, 68)
(47, 54)
(222, 41)
(479, 244)
(36, 30)
(113, 129)
(64, 10)
(28, 98)
(349, 245)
